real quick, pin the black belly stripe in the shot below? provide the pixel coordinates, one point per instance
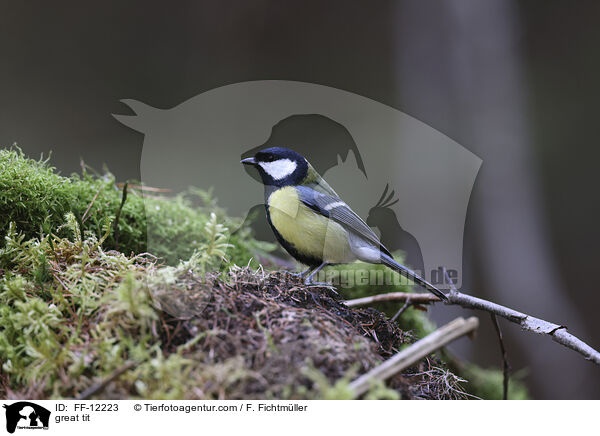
(300, 257)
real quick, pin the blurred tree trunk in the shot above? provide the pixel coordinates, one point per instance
(459, 64)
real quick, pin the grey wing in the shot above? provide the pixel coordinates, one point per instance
(337, 210)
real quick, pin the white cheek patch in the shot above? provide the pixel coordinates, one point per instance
(279, 169)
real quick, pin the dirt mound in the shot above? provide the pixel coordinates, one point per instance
(284, 331)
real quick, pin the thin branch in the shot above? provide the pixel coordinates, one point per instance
(85, 217)
(505, 364)
(99, 387)
(415, 352)
(425, 298)
(144, 188)
(527, 322)
(402, 309)
(558, 332)
(118, 215)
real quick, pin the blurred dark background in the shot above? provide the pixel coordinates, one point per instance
(515, 82)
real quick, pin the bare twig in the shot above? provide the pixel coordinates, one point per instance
(85, 217)
(425, 298)
(527, 322)
(402, 309)
(415, 352)
(99, 387)
(118, 215)
(144, 188)
(505, 364)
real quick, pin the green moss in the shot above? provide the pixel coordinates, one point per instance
(31, 194)
(35, 197)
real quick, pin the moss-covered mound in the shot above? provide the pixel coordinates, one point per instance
(86, 312)
(36, 198)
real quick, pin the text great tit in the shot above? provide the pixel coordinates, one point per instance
(312, 223)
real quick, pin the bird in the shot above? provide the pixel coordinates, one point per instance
(312, 223)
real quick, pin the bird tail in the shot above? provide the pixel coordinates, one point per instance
(391, 263)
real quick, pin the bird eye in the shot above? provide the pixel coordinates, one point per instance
(269, 158)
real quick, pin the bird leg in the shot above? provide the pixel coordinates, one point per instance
(306, 272)
(303, 274)
(308, 280)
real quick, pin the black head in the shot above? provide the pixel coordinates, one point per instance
(279, 166)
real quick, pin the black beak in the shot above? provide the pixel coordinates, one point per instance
(248, 161)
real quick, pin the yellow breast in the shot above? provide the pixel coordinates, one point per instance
(310, 233)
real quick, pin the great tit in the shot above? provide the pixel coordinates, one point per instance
(311, 221)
